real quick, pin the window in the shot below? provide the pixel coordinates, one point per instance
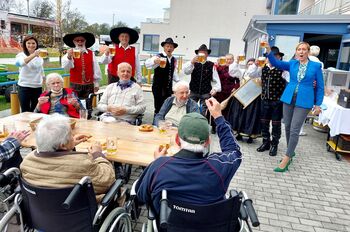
(219, 47)
(287, 44)
(151, 43)
(2, 24)
(287, 7)
(344, 63)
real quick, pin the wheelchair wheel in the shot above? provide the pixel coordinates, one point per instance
(117, 221)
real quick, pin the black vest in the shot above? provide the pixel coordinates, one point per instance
(201, 78)
(163, 77)
(273, 84)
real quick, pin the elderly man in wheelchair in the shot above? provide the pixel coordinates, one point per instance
(47, 200)
(186, 192)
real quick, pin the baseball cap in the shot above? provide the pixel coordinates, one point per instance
(193, 128)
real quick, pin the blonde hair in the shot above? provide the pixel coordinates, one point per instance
(303, 43)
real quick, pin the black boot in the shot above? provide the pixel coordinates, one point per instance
(239, 137)
(273, 150)
(264, 146)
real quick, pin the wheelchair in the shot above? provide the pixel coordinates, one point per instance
(229, 215)
(68, 209)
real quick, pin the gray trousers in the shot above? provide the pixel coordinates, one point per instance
(293, 117)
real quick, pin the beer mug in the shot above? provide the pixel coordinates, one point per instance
(162, 63)
(76, 53)
(43, 53)
(111, 145)
(111, 50)
(201, 57)
(264, 40)
(241, 57)
(162, 126)
(261, 61)
(222, 60)
(83, 114)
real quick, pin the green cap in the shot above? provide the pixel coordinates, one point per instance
(194, 128)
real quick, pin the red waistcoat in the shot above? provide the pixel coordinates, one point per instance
(122, 55)
(71, 110)
(76, 73)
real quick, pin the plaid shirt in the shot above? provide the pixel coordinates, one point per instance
(8, 148)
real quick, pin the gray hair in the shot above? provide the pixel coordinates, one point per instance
(124, 64)
(192, 147)
(179, 84)
(51, 132)
(52, 76)
(314, 50)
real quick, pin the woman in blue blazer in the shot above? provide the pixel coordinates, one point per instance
(299, 97)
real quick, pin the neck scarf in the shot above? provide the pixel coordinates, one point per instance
(124, 84)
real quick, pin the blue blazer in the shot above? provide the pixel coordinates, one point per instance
(307, 96)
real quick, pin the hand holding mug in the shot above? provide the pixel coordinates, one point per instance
(157, 60)
(42, 100)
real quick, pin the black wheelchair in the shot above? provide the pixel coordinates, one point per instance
(68, 209)
(229, 215)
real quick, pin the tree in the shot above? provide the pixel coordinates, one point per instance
(6, 5)
(73, 20)
(93, 28)
(104, 29)
(120, 24)
(42, 9)
(19, 7)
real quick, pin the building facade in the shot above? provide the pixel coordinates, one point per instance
(218, 24)
(323, 23)
(14, 26)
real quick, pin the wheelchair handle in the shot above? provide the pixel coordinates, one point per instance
(6, 177)
(163, 217)
(71, 197)
(251, 212)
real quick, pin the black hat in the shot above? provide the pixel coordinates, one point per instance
(90, 39)
(108, 42)
(115, 32)
(276, 51)
(203, 47)
(169, 41)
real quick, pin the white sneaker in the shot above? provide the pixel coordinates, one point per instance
(302, 133)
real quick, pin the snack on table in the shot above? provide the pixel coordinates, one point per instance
(166, 145)
(146, 128)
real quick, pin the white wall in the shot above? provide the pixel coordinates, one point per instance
(305, 3)
(194, 22)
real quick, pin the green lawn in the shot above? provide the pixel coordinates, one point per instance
(3, 104)
(7, 55)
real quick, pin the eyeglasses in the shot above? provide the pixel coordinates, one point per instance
(79, 40)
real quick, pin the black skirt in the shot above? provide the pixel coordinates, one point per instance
(244, 121)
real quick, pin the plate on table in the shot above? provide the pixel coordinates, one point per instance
(146, 128)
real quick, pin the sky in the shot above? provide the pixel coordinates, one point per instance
(132, 12)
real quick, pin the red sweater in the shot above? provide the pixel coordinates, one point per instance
(76, 75)
(122, 55)
(71, 110)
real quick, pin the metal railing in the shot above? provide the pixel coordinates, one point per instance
(323, 7)
(16, 73)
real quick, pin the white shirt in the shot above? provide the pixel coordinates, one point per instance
(31, 74)
(149, 63)
(108, 59)
(285, 74)
(131, 98)
(67, 64)
(315, 59)
(215, 83)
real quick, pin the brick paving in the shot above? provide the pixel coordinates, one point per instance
(314, 195)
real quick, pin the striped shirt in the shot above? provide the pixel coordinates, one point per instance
(8, 148)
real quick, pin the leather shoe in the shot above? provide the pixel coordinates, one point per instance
(264, 146)
(273, 150)
(250, 140)
(239, 137)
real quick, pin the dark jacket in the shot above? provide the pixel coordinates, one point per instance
(191, 106)
(189, 177)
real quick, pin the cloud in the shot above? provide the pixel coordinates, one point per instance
(130, 12)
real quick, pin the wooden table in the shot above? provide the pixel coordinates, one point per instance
(134, 146)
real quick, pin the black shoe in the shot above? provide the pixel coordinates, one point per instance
(239, 137)
(273, 150)
(213, 130)
(265, 146)
(250, 140)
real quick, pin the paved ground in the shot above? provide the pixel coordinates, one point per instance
(314, 195)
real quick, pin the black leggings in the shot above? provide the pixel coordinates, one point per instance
(28, 98)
